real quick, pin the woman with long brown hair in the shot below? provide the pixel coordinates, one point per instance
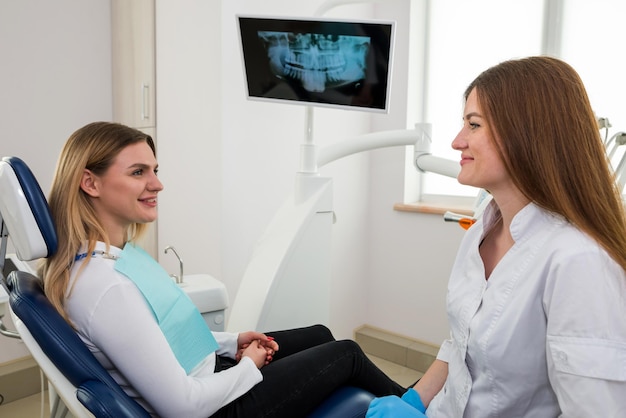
(537, 295)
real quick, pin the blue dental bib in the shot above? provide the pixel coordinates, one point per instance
(188, 335)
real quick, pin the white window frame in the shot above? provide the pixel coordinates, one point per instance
(418, 187)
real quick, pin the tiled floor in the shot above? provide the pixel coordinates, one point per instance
(30, 407)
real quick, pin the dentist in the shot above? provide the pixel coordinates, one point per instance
(537, 295)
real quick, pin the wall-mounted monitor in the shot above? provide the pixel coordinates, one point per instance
(318, 62)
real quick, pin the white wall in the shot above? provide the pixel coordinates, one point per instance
(55, 76)
(189, 133)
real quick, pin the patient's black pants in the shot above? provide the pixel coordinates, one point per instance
(309, 367)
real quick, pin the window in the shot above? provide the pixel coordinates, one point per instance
(466, 38)
(595, 53)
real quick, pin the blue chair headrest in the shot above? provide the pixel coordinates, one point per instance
(25, 211)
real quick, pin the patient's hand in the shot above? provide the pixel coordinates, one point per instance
(245, 338)
(256, 352)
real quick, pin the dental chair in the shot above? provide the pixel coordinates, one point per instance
(77, 382)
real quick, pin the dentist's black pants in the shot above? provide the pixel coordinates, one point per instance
(309, 366)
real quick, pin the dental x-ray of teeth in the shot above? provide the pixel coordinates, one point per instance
(322, 62)
(314, 60)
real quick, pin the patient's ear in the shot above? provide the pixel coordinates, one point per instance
(89, 183)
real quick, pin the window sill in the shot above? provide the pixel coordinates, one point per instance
(439, 205)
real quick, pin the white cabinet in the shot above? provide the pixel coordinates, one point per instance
(134, 82)
(133, 62)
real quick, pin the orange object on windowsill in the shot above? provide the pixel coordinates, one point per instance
(466, 222)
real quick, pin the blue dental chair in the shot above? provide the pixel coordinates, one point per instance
(80, 385)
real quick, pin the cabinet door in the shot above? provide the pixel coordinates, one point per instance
(133, 62)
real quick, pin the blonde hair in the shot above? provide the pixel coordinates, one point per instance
(546, 132)
(92, 147)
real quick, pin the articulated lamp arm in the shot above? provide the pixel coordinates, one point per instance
(420, 137)
(424, 161)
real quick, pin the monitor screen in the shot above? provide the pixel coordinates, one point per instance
(318, 62)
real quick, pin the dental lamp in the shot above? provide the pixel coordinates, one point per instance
(287, 281)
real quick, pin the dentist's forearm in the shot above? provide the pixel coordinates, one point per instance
(433, 380)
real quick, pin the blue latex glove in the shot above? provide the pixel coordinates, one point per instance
(392, 407)
(413, 398)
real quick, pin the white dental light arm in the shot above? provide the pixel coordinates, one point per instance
(365, 143)
(420, 137)
(429, 163)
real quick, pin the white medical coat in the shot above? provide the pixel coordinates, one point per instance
(545, 336)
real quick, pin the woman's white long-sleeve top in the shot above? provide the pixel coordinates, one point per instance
(113, 318)
(544, 336)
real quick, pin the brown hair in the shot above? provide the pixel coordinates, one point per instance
(92, 147)
(546, 133)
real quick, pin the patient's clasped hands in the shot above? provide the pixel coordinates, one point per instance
(259, 347)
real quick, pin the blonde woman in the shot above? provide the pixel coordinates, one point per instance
(132, 317)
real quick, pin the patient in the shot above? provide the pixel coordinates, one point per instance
(133, 318)
(537, 295)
